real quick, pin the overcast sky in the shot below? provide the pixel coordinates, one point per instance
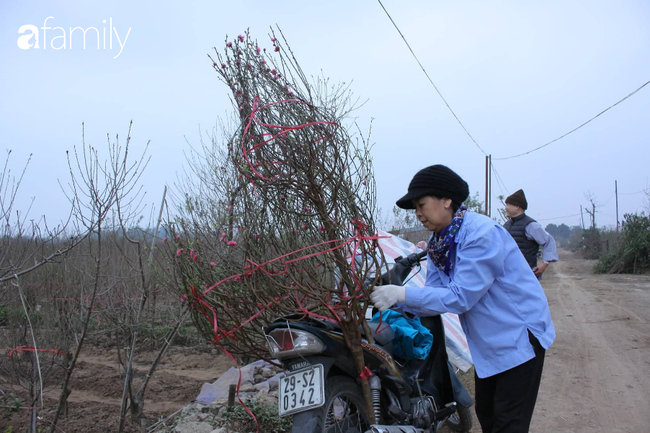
(517, 74)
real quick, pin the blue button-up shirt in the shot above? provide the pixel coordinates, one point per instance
(494, 292)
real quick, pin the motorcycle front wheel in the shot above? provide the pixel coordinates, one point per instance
(344, 410)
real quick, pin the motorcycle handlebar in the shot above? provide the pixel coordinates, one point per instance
(402, 268)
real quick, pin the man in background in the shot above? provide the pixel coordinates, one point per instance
(529, 234)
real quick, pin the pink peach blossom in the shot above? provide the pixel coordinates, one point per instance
(232, 243)
(229, 44)
(241, 38)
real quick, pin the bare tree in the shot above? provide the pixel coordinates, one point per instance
(403, 218)
(95, 188)
(27, 244)
(592, 213)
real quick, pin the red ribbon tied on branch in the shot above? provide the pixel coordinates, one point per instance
(21, 349)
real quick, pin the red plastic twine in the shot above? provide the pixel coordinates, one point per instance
(365, 373)
(284, 129)
(32, 349)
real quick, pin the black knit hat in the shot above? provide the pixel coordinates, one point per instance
(437, 180)
(518, 198)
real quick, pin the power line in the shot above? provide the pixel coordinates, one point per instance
(502, 185)
(608, 199)
(574, 129)
(499, 180)
(631, 193)
(429, 78)
(557, 218)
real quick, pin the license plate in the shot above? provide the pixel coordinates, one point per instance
(301, 390)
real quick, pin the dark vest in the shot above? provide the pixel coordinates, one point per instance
(517, 228)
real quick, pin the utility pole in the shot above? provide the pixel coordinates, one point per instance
(582, 218)
(487, 198)
(616, 194)
(490, 192)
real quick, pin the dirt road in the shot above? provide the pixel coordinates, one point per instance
(597, 373)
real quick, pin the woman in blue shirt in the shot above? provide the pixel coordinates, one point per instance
(477, 271)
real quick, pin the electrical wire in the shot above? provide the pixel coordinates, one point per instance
(574, 129)
(500, 183)
(557, 218)
(430, 80)
(631, 193)
(608, 199)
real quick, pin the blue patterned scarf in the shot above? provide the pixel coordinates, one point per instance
(440, 244)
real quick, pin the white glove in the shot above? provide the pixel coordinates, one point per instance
(384, 297)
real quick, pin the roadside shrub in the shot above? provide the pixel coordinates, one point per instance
(574, 241)
(606, 261)
(591, 243)
(632, 254)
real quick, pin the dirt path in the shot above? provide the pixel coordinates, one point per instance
(596, 375)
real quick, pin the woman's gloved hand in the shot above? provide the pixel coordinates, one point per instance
(384, 297)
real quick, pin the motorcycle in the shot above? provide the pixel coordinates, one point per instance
(322, 392)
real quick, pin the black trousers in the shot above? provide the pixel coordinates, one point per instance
(505, 401)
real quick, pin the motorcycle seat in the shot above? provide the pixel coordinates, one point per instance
(384, 337)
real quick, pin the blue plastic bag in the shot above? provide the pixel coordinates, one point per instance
(412, 340)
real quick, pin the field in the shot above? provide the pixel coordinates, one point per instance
(595, 377)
